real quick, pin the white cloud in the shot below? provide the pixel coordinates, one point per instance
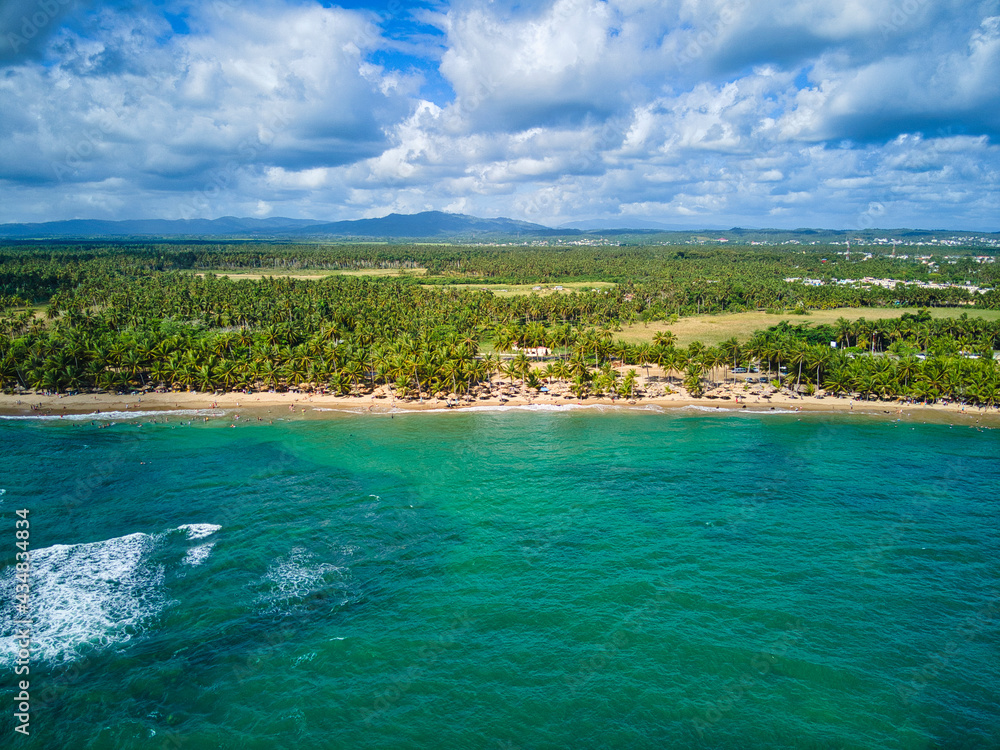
(723, 111)
(286, 86)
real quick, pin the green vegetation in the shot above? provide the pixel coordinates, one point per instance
(513, 290)
(352, 318)
(714, 329)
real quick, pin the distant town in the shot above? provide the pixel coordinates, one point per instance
(678, 238)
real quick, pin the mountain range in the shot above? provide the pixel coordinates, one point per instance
(441, 226)
(429, 224)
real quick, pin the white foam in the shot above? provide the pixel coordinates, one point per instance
(197, 555)
(116, 416)
(295, 576)
(345, 410)
(305, 658)
(574, 406)
(501, 408)
(655, 408)
(96, 595)
(199, 530)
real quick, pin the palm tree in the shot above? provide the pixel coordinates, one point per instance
(662, 358)
(228, 373)
(645, 356)
(819, 358)
(451, 372)
(577, 366)
(132, 365)
(581, 385)
(354, 370)
(692, 381)
(866, 384)
(205, 379)
(8, 370)
(844, 328)
(664, 338)
(606, 381)
(798, 355)
(511, 369)
(522, 366)
(628, 383)
(838, 382)
(711, 358)
(339, 383)
(907, 369)
(563, 370)
(987, 389)
(923, 390)
(731, 349)
(491, 364)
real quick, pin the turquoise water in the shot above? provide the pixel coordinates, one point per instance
(509, 580)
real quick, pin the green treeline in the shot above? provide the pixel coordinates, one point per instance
(133, 317)
(679, 280)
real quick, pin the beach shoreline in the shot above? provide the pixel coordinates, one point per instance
(264, 406)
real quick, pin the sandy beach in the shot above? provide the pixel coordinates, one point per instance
(261, 406)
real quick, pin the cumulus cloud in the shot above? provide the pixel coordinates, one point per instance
(713, 112)
(26, 25)
(957, 90)
(246, 90)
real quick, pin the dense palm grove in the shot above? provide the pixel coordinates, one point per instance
(123, 318)
(654, 282)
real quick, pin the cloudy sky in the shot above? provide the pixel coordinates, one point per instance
(697, 113)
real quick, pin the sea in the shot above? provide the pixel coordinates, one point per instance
(501, 578)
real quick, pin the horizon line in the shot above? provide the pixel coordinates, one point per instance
(564, 225)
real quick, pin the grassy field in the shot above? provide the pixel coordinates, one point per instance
(382, 272)
(712, 329)
(512, 290)
(37, 311)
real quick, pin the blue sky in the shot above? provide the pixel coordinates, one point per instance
(695, 113)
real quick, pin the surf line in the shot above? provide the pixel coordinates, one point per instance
(22, 593)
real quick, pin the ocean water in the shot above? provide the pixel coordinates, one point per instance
(507, 579)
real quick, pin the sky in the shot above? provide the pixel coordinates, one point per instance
(840, 114)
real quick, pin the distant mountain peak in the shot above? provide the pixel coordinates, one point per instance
(426, 224)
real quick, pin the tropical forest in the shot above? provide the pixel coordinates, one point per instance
(420, 320)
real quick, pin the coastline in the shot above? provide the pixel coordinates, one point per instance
(264, 406)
